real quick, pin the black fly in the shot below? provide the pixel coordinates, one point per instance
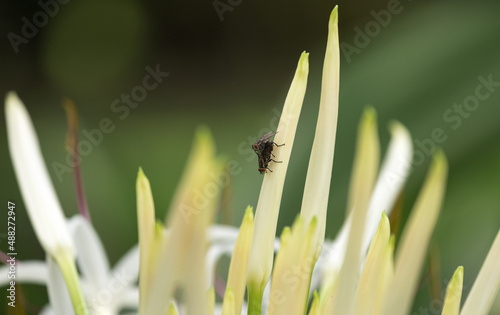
(264, 150)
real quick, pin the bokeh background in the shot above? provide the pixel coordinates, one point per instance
(232, 75)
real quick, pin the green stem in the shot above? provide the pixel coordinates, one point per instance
(66, 262)
(255, 293)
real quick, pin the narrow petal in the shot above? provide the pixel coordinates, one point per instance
(487, 283)
(211, 300)
(146, 230)
(39, 196)
(30, 271)
(266, 215)
(43, 207)
(293, 268)
(56, 287)
(319, 172)
(182, 257)
(315, 307)
(393, 175)
(454, 293)
(385, 278)
(370, 275)
(228, 307)
(91, 258)
(126, 269)
(366, 163)
(415, 238)
(238, 267)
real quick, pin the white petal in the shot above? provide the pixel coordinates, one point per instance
(126, 269)
(392, 177)
(128, 299)
(91, 256)
(32, 272)
(43, 207)
(222, 233)
(60, 300)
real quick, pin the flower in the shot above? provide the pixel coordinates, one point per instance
(360, 272)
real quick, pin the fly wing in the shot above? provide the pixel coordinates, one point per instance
(260, 143)
(267, 136)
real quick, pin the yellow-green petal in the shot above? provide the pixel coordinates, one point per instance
(238, 267)
(181, 258)
(146, 227)
(293, 269)
(319, 171)
(365, 169)
(369, 282)
(416, 237)
(228, 308)
(266, 214)
(454, 293)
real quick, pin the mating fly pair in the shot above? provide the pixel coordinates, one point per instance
(264, 150)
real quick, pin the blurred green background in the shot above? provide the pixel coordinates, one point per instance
(232, 76)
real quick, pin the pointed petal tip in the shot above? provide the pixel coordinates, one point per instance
(303, 66)
(248, 214)
(334, 17)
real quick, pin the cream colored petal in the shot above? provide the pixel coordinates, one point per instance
(385, 278)
(228, 308)
(487, 284)
(266, 215)
(146, 229)
(238, 267)
(292, 270)
(181, 262)
(370, 275)
(393, 175)
(412, 248)
(366, 163)
(319, 172)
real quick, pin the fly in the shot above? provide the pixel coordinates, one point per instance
(263, 147)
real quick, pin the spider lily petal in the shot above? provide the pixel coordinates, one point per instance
(319, 171)
(238, 268)
(370, 276)
(362, 182)
(293, 268)
(181, 258)
(266, 214)
(416, 236)
(146, 227)
(454, 293)
(43, 207)
(38, 193)
(486, 285)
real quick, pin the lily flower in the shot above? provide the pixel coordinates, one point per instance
(360, 272)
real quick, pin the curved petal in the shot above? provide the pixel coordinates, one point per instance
(38, 193)
(393, 175)
(91, 256)
(127, 268)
